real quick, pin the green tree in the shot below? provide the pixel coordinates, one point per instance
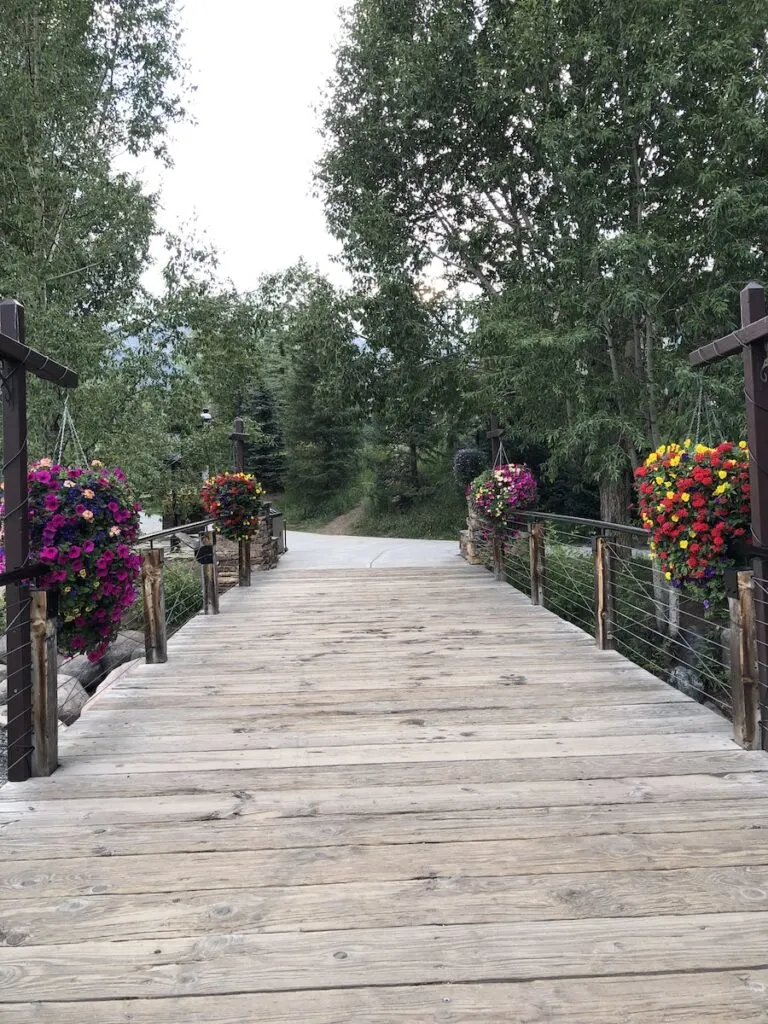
(81, 81)
(597, 171)
(322, 410)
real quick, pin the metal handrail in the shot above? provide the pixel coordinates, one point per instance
(595, 524)
(150, 538)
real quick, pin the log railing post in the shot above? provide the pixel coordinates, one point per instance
(497, 550)
(244, 562)
(153, 591)
(744, 679)
(537, 559)
(45, 719)
(207, 558)
(605, 561)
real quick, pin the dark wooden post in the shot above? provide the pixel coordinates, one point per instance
(207, 558)
(744, 695)
(756, 392)
(16, 519)
(153, 592)
(537, 559)
(495, 435)
(238, 438)
(45, 695)
(17, 361)
(605, 559)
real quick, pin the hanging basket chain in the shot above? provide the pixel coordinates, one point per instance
(68, 427)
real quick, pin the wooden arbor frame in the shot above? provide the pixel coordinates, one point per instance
(17, 361)
(752, 341)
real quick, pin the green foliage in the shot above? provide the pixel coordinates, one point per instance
(598, 173)
(434, 511)
(186, 503)
(321, 404)
(266, 457)
(81, 81)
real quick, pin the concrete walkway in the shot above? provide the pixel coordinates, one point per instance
(323, 551)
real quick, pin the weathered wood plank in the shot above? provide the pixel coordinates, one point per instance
(440, 900)
(232, 831)
(393, 776)
(194, 802)
(317, 866)
(460, 751)
(714, 998)
(245, 961)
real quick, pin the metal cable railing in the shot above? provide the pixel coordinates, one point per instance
(601, 577)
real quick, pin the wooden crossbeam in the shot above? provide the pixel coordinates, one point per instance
(730, 344)
(13, 350)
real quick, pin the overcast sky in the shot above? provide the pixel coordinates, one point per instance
(244, 168)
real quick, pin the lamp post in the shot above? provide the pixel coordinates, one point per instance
(206, 421)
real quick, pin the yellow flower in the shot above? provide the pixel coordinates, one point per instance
(667, 575)
(701, 448)
(721, 489)
(675, 519)
(742, 445)
(651, 458)
(675, 461)
(685, 496)
(659, 480)
(661, 449)
(688, 442)
(722, 474)
(683, 544)
(670, 494)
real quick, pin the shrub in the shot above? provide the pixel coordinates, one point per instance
(468, 463)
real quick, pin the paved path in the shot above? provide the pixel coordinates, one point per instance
(387, 796)
(323, 551)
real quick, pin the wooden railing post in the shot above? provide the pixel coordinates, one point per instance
(207, 558)
(744, 678)
(45, 696)
(153, 591)
(497, 554)
(244, 562)
(605, 560)
(538, 561)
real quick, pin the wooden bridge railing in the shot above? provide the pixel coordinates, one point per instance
(601, 577)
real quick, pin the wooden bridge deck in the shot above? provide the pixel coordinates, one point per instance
(388, 796)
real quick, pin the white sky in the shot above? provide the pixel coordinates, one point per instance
(244, 169)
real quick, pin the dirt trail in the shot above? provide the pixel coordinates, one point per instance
(343, 525)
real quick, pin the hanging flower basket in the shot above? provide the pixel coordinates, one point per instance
(234, 501)
(497, 495)
(82, 524)
(694, 500)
